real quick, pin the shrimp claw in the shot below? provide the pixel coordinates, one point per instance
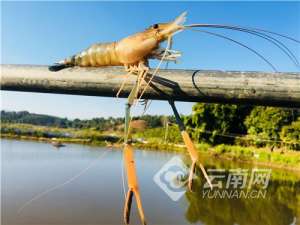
(190, 147)
(132, 185)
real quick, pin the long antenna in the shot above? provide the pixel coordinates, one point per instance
(241, 44)
(281, 35)
(269, 38)
(250, 28)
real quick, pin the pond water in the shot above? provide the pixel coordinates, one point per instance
(80, 184)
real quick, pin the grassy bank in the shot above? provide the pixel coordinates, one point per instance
(51, 134)
(280, 158)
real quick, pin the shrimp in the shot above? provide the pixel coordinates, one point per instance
(133, 52)
(129, 52)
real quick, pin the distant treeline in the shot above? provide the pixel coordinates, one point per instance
(210, 123)
(100, 123)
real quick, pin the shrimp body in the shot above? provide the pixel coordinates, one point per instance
(130, 51)
(97, 55)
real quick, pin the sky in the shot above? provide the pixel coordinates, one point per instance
(42, 33)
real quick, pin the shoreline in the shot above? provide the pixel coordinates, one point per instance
(211, 151)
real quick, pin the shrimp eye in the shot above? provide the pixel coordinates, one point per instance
(155, 26)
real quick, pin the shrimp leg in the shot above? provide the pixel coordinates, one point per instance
(190, 147)
(141, 68)
(132, 180)
(123, 83)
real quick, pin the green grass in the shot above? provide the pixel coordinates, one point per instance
(285, 158)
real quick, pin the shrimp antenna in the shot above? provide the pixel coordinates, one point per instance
(249, 28)
(166, 67)
(241, 44)
(169, 43)
(274, 41)
(269, 38)
(280, 35)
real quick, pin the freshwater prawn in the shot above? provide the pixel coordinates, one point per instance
(133, 53)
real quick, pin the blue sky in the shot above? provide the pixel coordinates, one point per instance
(45, 32)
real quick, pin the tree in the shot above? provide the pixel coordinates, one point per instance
(209, 121)
(266, 123)
(290, 135)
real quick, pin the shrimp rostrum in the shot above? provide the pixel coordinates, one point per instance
(133, 53)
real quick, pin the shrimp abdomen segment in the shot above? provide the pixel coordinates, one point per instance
(102, 54)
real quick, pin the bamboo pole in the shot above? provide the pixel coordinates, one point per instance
(260, 88)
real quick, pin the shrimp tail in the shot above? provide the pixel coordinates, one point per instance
(58, 66)
(69, 62)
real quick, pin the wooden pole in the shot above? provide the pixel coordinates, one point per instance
(260, 88)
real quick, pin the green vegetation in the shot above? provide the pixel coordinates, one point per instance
(158, 134)
(256, 134)
(260, 155)
(99, 124)
(210, 120)
(290, 134)
(43, 133)
(266, 123)
(244, 125)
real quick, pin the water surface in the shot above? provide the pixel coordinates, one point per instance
(80, 184)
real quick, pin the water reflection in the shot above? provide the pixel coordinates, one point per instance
(281, 205)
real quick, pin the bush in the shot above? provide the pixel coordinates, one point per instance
(265, 123)
(290, 134)
(158, 134)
